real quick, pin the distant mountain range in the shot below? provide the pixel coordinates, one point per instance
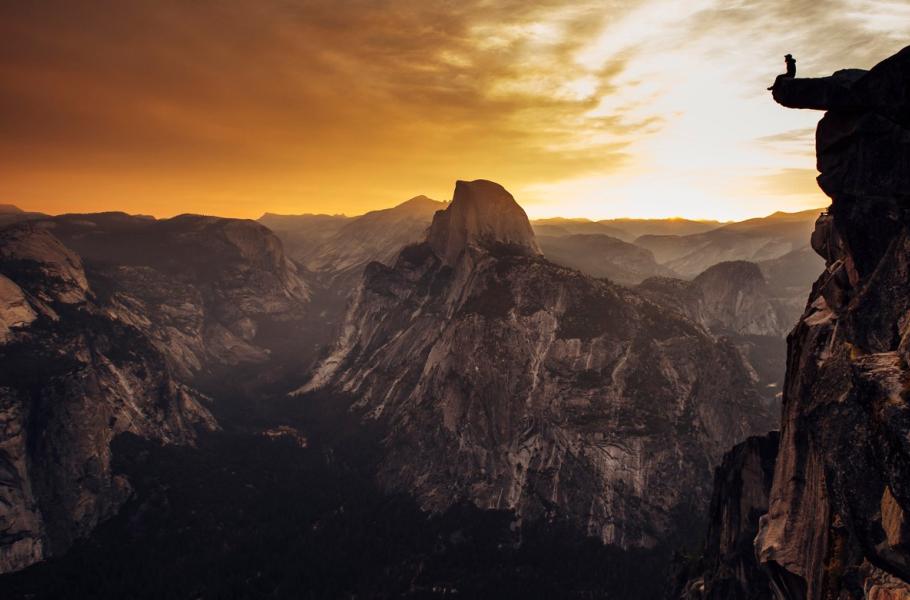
(556, 359)
(627, 251)
(505, 380)
(673, 247)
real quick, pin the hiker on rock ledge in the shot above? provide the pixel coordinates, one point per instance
(791, 69)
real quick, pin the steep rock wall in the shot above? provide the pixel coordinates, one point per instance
(837, 524)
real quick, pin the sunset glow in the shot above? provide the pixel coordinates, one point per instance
(647, 108)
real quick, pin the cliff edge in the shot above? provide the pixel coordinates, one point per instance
(837, 524)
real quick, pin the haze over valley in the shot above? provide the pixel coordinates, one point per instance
(643, 334)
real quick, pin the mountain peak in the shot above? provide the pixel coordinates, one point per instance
(482, 213)
(420, 207)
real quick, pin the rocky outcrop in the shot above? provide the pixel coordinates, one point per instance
(110, 323)
(15, 310)
(510, 382)
(836, 524)
(732, 300)
(483, 215)
(32, 252)
(727, 568)
(73, 377)
(735, 296)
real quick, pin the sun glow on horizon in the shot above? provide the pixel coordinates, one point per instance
(638, 108)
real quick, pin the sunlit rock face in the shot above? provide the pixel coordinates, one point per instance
(837, 524)
(505, 380)
(482, 215)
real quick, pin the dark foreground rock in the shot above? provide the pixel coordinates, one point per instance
(837, 524)
(727, 568)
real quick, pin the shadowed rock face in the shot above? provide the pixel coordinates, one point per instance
(505, 380)
(107, 324)
(727, 569)
(73, 377)
(207, 291)
(730, 297)
(837, 525)
(736, 296)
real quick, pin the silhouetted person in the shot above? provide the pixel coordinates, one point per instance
(791, 65)
(791, 69)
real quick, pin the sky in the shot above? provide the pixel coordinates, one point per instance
(598, 109)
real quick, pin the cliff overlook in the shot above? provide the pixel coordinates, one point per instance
(837, 524)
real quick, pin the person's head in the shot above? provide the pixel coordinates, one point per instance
(789, 57)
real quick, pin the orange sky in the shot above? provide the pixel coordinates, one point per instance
(580, 108)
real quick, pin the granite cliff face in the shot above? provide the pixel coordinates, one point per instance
(727, 568)
(73, 378)
(837, 524)
(108, 324)
(510, 382)
(483, 215)
(734, 301)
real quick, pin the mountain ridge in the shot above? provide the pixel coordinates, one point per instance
(504, 380)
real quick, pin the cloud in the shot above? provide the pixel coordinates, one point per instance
(239, 107)
(803, 136)
(390, 90)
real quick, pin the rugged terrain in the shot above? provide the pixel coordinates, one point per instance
(340, 247)
(73, 378)
(735, 301)
(836, 525)
(726, 568)
(730, 297)
(111, 324)
(211, 292)
(510, 382)
(754, 240)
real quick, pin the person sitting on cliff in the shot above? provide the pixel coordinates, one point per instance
(791, 69)
(791, 65)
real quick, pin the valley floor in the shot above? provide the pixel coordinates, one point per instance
(248, 516)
